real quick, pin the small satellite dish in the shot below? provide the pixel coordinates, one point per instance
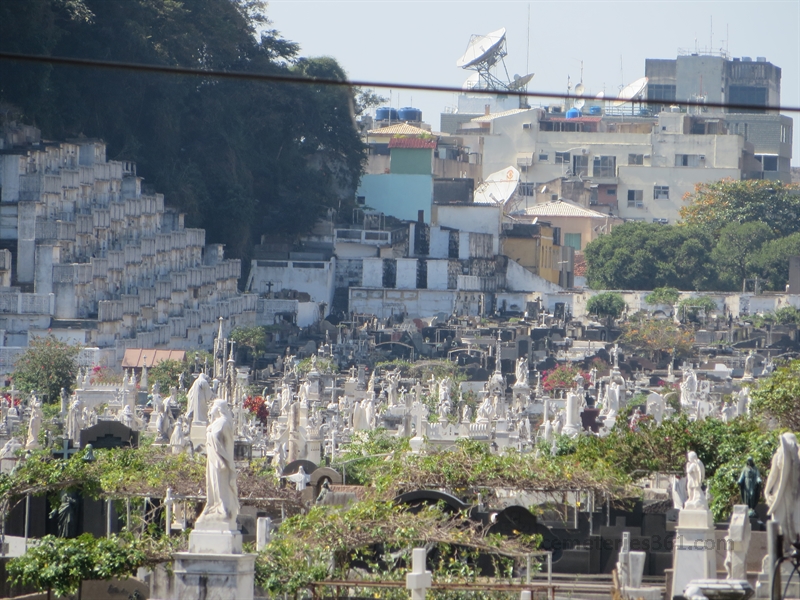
(472, 82)
(600, 96)
(579, 103)
(579, 89)
(481, 47)
(631, 91)
(520, 82)
(498, 187)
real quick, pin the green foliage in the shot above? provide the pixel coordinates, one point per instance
(561, 377)
(663, 295)
(771, 262)
(607, 304)
(231, 154)
(646, 256)
(324, 365)
(689, 308)
(166, 373)
(777, 398)
(715, 205)
(736, 252)
(46, 366)
(254, 338)
(60, 564)
(327, 541)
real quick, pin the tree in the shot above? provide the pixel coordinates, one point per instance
(735, 254)
(231, 154)
(717, 204)
(771, 262)
(657, 338)
(254, 338)
(663, 295)
(607, 304)
(166, 373)
(689, 308)
(48, 365)
(777, 397)
(645, 256)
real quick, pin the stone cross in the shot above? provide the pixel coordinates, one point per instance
(419, 580)
(66, 451)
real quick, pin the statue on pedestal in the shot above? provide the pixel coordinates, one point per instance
(695, 474)
(222, 504)
(199, 396)
(750, 486)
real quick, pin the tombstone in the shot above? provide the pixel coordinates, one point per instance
(737, 543)
(109, 434)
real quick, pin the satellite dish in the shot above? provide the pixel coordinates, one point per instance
(579, 89)
(579, 103)
(631, 91)
(498, 187)
(473, 81)
(600, 96)
(482, 47)
(520, 82)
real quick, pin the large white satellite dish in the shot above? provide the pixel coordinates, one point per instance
(481, 48)
(631, 91)
(579, 103)
(579, 89)
(600, 96)
(520, 82)
(498, 187)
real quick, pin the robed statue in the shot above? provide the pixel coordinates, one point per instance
(782, 490)
(222, 504)
(750, 485)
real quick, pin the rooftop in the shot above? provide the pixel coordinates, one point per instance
(399, 129)
(505, 113)
(563, 208)
(412, 142)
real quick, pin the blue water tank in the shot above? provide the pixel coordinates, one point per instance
(595, 110)
(386, 113)
(410, 114)
(573, 113)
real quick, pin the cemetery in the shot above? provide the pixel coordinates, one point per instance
(519, 456)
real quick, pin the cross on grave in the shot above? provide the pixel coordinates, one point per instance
(66, 451)
(419, 580)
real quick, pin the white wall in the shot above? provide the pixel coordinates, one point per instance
(437, 274)
(400, 196)
(372, 274)
(406, 274)
(415, 303)
(303, 276)
(519, 279)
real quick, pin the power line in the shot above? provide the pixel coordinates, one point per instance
(301, 80)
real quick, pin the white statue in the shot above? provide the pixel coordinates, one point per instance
(444, 389)
(222, 504)
(688, 387)
(10, 448)
(749, 363)
(177, 441)
(300, 479)
(34, 425)
(522, 371)
(743, 401)
(127, 418)
(199, 395)
(695, 474)
(75, 420)
(466, 414)
(485, 410)
(782, 489)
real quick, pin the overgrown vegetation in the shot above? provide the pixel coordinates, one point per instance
(46, 366)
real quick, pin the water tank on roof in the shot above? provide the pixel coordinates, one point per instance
(410, 114)
(386, 113)
(595, 110)
(573, 113)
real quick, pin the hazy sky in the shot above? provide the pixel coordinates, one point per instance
(419, 41)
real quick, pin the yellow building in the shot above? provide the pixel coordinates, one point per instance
(537, 248)
(578, 225)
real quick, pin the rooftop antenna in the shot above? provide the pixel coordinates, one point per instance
(483, 53)
(712, 33)
(528, 47)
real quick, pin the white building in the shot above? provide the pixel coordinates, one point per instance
(101, 262)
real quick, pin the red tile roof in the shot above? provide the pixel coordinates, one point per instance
(412, 142)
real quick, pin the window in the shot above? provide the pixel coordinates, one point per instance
(657, 91)
(635, 199)
(580, 165)
(748, 94)
(768, 162)
(605, 166)
(361, 200)
(543, 158)
(573, 240)
(635, 159)
(612, 191)
(562, 158)
(687, 160)
(661, 192)
(527, 189)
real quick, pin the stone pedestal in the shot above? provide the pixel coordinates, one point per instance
(694, 556)
(213, 576)
(214, 568)
(198, 434)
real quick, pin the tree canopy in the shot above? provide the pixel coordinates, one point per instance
(46, 366)
(608, 304)
(644, 256)
(717, 204)
(235, 155)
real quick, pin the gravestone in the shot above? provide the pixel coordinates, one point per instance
(109, 434)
